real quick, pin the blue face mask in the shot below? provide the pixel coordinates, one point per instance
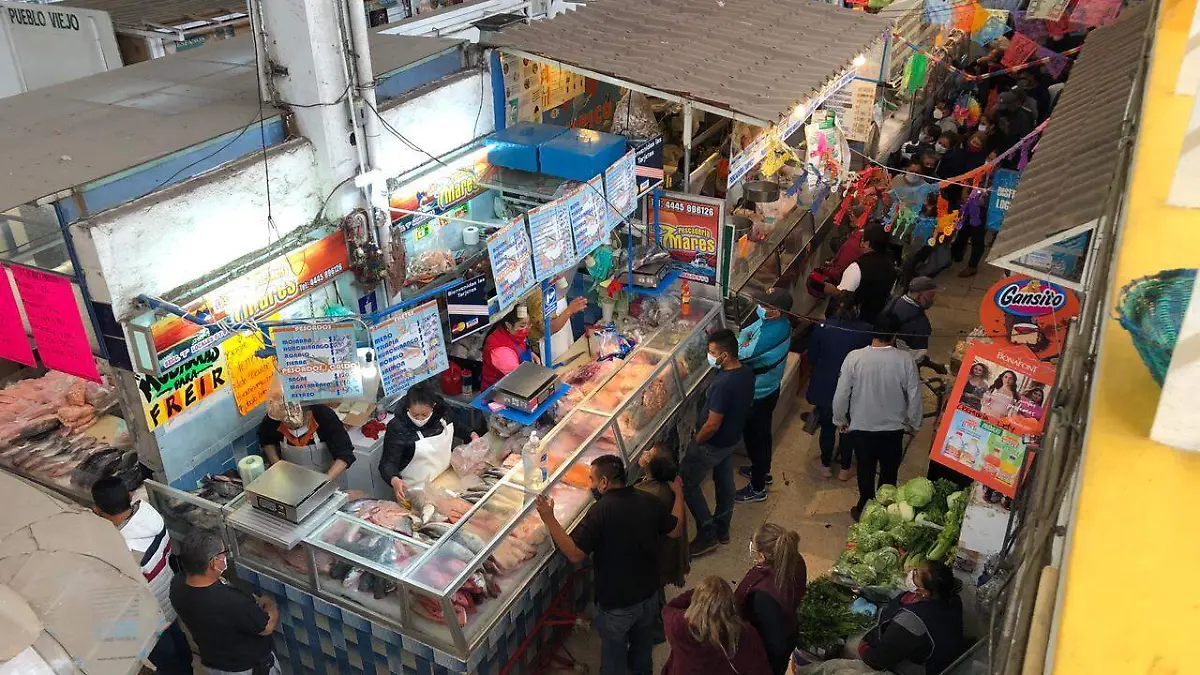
(712, 361)
(761, 312)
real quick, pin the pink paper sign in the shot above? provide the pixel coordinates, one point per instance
(1020, 48)
(1093, 13)
(14, 344)
(54, 320)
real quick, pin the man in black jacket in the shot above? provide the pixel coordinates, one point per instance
(909, 310)
(872, 276)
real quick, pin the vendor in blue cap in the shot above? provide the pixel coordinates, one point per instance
(763, 347)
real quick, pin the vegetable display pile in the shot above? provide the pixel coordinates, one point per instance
(825, 617)
(902, 527)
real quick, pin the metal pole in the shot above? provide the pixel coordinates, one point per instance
(687, 147)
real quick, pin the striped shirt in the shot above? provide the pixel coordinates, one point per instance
(146, 536)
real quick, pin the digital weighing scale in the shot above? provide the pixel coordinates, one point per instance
(649, 275)
(289, 491)
(526, 388)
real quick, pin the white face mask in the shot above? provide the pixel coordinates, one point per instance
(939, 149)
(910, 581)
(913, 179)
(420, 422)
(983, 127)
(938, 114)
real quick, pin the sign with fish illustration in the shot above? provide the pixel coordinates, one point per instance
(550, 230)
(620, 184)
(1020, 310)
(165, 396)
(467, 307)
(512, 262)
(410, 348)
(691, 231)
(261, 291)
(318, 362)
(586, 217)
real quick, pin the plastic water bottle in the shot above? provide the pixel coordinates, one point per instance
(533, 463)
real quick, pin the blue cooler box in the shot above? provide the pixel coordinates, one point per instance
(580, 154)
(517, 146)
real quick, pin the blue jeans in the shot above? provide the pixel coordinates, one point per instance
(699, 461)
(627, 637)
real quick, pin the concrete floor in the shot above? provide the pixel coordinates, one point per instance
(816, 507)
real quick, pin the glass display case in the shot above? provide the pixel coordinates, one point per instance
(183, 511)
(449, 583)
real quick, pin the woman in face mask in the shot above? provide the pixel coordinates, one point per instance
(506, 347)
(311, 436)
(922, 627)
(416, 445)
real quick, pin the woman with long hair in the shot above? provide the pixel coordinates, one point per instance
(707, 635)
(659, 471)
(770, 593)
(1000, 398)
(976, 387)
(922, 627)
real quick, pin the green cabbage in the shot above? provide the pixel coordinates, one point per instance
(918, 492)
(886, 494)
(873, 541)
(885, 561)
(957, 500)
(874, 516)
(862, 574)
(907, 512)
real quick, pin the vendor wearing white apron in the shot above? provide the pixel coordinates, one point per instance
(311, 436)
(561, 335)
(416, 445)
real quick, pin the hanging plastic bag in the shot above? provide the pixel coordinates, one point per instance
(471, 459)
(432, 258)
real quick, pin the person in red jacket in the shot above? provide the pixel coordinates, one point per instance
(506, 347)
(707, 635)
(770, 593)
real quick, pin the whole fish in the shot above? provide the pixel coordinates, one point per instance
(352, 577)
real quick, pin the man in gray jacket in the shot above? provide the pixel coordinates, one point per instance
(878, 396)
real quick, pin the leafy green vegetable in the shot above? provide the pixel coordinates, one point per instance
(874, 516)
(931, 516)
(886, 494)
(862, 574)
(913, 537)
(955, 499)
(913, 560)
(885, 561)
(942, 488)
(907, 512)
(825, 617)
(873, 541)
(918, 492)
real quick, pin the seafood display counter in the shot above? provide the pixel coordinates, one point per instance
(461, 582)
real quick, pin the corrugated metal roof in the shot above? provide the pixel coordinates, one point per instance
(755, 57)
(146, 14)
(1071, 174)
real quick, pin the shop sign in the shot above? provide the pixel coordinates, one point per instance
(467, 307)
(691, 232)
(438, 191)
(410, 348)
(262, 291)
(512, 262)
(1022, 311)
(756, 152)
(165, 396)
(1004, 188)
(997, 413)
(649, 169)
(318, 362)
(251, 376)
(14, 344)
(53, 314)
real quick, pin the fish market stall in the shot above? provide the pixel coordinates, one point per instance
(455, 583)
(64, 433)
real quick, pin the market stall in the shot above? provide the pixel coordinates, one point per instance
(459, 575)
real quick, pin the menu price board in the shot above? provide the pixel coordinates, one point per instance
(585, 216)
(550, 229)
(14, 344)
(318, 361)
(53, 315)
(251, 376)
(997, 411)
(410, 348)
(620, 182)
(691, 233)
(512, 262)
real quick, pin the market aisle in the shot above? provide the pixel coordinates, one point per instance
(801, 499)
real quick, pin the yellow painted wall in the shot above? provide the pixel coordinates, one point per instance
(1132, 597)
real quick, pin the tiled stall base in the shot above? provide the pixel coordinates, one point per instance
(317, 638)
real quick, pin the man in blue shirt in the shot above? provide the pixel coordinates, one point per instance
(764, 348)
(711, 451)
